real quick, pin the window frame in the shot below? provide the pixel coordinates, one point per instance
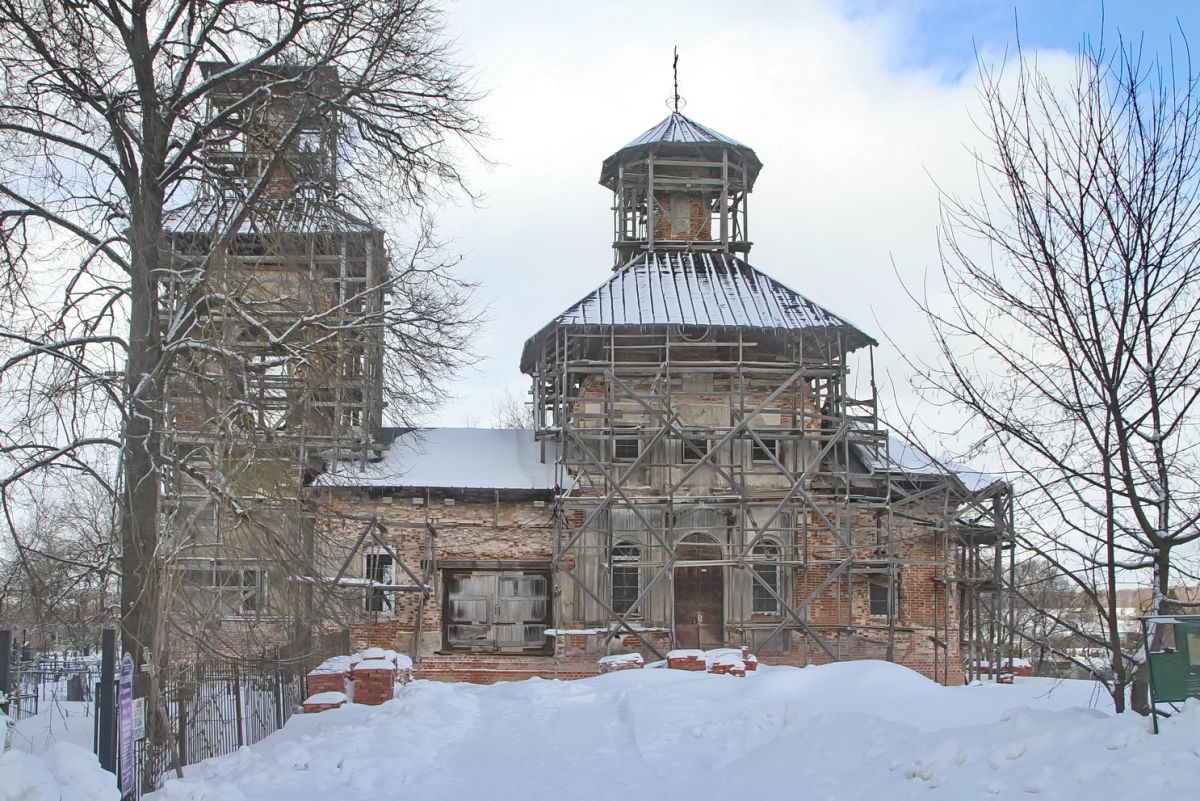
(631, 610)
(624, 435)
(776, 449)
(386, 598)
(757, 593)
(891, 597)
(687, 440)
(213, 576)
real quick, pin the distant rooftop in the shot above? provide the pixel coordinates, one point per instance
(905, 458)
(450, 458)
(702, 289)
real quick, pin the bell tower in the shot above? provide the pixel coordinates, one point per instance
(680, 186)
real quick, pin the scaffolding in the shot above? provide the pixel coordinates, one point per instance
(272, 301)
(754, 442)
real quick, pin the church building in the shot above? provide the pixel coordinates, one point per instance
(705, 468)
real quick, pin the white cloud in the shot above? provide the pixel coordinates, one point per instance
(851, 146)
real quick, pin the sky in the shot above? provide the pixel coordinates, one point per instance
(859, 111)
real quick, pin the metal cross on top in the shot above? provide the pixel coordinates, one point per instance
(675, 71)
(675, 68)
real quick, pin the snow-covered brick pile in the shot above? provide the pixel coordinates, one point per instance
(402, 663)
(370, 677)
(329, 676)
(686, 659)
(1011, 667)
(852, 731)
(65, 772)
(731, 661)
(374, 680)
(722, 661)
(325, 701)
(615, 662)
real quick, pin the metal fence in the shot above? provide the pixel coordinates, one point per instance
(36, 682)
(213, 708)
(208, 707)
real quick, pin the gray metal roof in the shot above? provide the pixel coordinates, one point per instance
(702, 289)
(678, 128)
(681, 136)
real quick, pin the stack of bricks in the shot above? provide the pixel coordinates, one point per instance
(728, 666)
(615, 662)
(329, 676)
(686, 659)
(320, 702)
(374, 681)
(731, 661)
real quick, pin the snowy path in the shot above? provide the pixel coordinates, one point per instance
(848, 731)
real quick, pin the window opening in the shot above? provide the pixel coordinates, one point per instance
(880, 595)
(378, 568)
(626, 577)
(766, 451)
(240, 590)
(627, 445)
(695, 448)
(767, 570)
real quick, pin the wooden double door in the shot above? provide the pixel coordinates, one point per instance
(699, 594)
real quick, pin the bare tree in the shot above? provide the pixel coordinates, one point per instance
(1072, 334)
(58, 572)
(1046, 608)
(113, 117)
(512, 412)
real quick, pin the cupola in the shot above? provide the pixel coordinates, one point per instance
(680, 186)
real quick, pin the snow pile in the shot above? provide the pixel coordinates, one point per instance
(65, 772)
(329, 697)
(850, 731)
(619, 659)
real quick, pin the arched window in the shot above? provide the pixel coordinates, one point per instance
(766, 568)
(626, 576)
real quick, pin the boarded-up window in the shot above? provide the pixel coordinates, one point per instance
(496, 610)
(681, 214)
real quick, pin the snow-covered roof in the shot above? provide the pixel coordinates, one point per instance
(451, 458)
(904, 457)
(703, 289)
(267, 216)
(681, 134)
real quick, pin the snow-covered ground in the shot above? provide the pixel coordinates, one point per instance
(57, 721)
(845, 731)
(858, 730)
(51, 757)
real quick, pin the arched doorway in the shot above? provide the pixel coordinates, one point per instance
(699, 593)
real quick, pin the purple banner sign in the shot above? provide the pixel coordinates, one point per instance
(125, 721)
